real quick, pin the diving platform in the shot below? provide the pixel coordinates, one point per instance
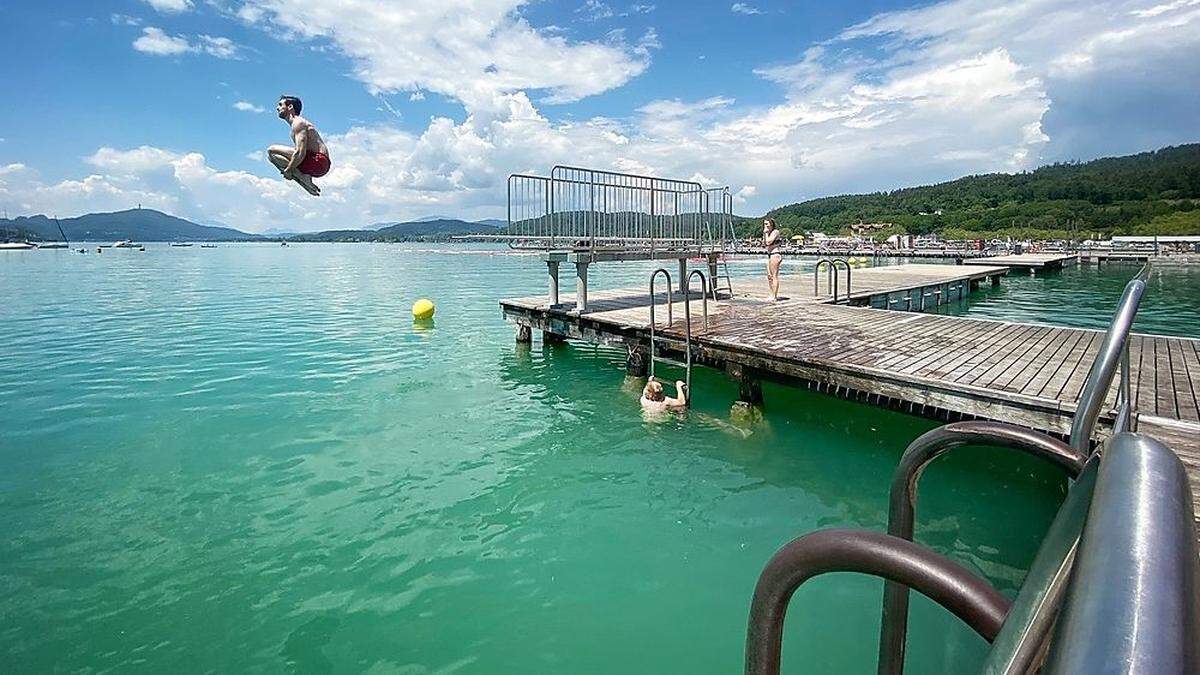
(1034, 262)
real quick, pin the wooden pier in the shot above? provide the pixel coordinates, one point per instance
(1034, 262)
(943, 367)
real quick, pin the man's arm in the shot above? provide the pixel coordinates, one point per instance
(300, 135)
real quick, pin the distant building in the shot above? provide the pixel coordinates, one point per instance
(860, 229)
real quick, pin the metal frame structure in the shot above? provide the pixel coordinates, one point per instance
(582, 209)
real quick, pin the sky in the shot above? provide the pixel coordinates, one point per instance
(428, 105)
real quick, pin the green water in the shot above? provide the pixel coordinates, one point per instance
(250, 458)
(1087, 296)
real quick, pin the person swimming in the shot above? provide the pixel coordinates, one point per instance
(308, 158)
(654, 398)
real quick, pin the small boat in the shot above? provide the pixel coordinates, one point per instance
(180, 244)
(52, 244)
(16, 246)
(124, 243)
(208, 245)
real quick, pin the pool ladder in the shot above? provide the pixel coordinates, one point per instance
(833, 277)
(687, 323)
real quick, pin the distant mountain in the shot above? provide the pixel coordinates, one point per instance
(409, 231)
(136, 224)
(1147, 193)
(493, 222)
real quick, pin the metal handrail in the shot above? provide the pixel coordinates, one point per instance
(1132, 605)
(1113, 353)
(670, 305)
(946, 582)
(687, 322)
(903, 504)
(833, 276)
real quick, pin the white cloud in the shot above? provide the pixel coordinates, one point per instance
(246, 106)
(469, 51)
(170, 6)
(743, 8)
(124, 20)
(155, 41)
(417, 95)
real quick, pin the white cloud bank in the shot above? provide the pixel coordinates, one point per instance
(246, 106)
(906, 97)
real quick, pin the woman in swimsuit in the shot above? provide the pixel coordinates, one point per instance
(774, 257)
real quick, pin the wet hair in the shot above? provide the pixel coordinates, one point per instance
(654, 391)
(292, 101)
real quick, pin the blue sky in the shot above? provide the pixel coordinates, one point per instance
(428, 104)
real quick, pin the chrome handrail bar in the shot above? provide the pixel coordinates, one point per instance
(847, 264)
(1113, 353)
(687, 323)
(832, 283)
(670, 305)
(903, 504)
(945, 581)
(1133, 604)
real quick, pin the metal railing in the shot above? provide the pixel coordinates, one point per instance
(867, 552)
(1114, 353)
(1133, 605)
(1113, 587)
(590, 209)
(903, 504)
(832, 281)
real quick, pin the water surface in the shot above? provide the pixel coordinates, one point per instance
(251, 458)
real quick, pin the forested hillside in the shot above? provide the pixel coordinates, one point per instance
(1148, 193)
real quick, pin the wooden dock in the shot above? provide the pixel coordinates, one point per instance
(1034, 262)
(943, 367)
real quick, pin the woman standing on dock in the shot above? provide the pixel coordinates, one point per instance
(774, 257)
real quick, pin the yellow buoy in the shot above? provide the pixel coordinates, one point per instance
(423, 309)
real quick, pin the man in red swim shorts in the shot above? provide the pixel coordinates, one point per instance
(309, 158)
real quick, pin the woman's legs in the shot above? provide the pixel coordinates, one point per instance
(773, 265)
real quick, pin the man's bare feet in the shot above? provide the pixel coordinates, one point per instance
(306, 182)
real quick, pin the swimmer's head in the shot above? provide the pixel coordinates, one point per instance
(653, 391)
(286, 103)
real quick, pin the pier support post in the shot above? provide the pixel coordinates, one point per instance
(552, 269)
(549, 338)
(749, 386)
(683, 275)
(635, 361)
(581, 287)
(995, 279)
(712, 275)
(524, 334)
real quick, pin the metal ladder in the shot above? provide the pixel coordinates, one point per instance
(833, 264)
(687, 323)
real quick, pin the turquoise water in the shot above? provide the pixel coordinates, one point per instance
(1087, 296)
(251, 458)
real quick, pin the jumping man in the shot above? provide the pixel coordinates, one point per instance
(308, 158)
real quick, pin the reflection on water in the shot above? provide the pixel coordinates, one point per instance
(251, 458)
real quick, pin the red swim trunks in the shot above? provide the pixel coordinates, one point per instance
(315, 164)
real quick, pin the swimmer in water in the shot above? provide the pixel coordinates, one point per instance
(308, 158)
(654, 398)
